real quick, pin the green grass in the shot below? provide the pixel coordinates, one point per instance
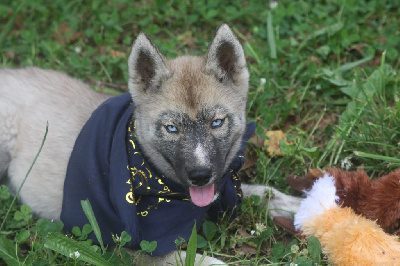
(332, 84)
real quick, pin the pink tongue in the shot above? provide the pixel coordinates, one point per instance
(202, 196)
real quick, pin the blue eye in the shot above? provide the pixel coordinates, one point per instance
(171, 129)
(217, 123)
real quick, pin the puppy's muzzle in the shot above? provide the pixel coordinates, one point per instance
(200, 177)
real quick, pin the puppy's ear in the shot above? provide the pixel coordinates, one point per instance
(225, 57)
(147, 68)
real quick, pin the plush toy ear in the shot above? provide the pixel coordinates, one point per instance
(225, 57)
(147, 68)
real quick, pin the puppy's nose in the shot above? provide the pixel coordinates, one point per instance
(200, 177)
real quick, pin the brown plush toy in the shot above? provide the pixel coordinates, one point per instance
(347, 212)
(377, 199)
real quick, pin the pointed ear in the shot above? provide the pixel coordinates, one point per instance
(147, 68)
(225, 57)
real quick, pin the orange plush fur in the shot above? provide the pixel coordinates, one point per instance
(350, 239)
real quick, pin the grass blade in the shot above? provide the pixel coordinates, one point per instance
(377, 157)
(10, 23)
(8, 251)
(87, 208)
(330, 30)
(202, 259)
(252, 52)
(26, 176)
(191, 247)
(68, 247)
(271, 36)
(354, 64)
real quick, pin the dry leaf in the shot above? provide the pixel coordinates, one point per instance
(65, 34)
(273, 142)
(248, 250)
(115, 54)
(314, 173)
(286, 224)
(243, 233)
(251, 158)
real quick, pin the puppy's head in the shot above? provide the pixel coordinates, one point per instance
(190, 111)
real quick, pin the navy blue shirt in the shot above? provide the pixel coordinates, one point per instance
(127, 193)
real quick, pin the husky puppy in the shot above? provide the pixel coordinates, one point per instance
(189, 121)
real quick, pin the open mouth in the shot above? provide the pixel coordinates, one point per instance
(202, 196)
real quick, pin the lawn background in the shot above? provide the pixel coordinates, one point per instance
(325, 73)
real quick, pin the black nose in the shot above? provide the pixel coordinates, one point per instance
(200, 177)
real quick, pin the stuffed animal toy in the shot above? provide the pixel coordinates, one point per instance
(377, 199)
(337, 209)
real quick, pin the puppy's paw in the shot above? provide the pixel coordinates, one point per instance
(211, 261)
(175, 257)
(279, 204)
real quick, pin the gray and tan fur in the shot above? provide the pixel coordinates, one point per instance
(186, 94)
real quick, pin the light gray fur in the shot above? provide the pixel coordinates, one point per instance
(224, 35)
(279, 204)
(144, 49)
(31, 97)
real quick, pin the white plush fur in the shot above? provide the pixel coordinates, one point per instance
(321, 197)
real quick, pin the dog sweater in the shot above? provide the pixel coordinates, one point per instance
(128, 194)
